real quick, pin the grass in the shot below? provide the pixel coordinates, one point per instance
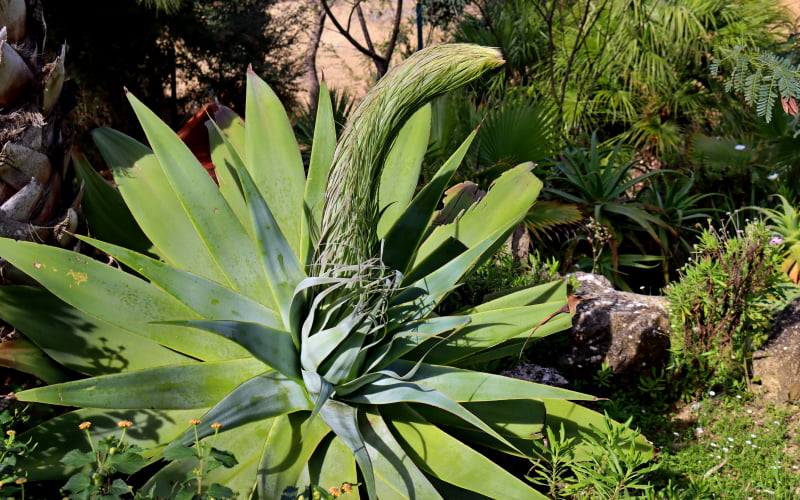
(740, 446)
(732, 446)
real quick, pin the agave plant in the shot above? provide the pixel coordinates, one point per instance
(298, 311)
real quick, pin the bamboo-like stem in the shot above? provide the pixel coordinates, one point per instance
(350, 214)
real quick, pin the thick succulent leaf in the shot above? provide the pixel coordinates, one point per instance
(407, 232)
(316, 348)
(492, 328)
(287, 451)
(225, 239)
(273, 159)
(207, 298)
(57, 436)
(504, 206)
(117, 297)
(511, 418)
(154, 204)
(457, 200)
(83, 343)
(402, 167)
(23, 355)
(174, 387)
(466, 385)
(332, 465)
(448, 459)
(272, 347)
(232, 126)
(226, 160)
(281, 268)
(389, 391)
(396, 476)
(108, 216)
(446, 252)
(322, 149)
(411, 335)
(341, 366)
(262, 397)
(343, 420)
(427, 292)
(555, 291)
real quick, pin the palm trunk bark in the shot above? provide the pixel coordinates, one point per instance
(37, 202)
(33, 183)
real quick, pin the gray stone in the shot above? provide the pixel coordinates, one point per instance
(627, 331)
(535, 373)
(777, 364)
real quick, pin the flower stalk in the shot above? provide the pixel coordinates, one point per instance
(350, 213)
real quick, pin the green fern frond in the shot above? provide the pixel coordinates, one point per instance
(761, 77)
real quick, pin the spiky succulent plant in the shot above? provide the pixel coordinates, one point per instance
(299, 311)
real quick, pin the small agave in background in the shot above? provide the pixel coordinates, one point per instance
(297, 311)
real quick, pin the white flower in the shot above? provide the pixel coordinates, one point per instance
(772, 177)
(712, 393)
(739, 147)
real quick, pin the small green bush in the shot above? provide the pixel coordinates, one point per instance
(722, 305)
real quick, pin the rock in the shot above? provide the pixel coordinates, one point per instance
(535, 373)
(777, 364)
(627, 331)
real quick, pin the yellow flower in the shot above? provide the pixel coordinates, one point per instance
(11, 433)
(84, 425)
(335, 491)
(347, 488)
(21, 480)
(216, 425)
(194, 421)
(124, 424)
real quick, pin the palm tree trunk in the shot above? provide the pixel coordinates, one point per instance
(34, 204)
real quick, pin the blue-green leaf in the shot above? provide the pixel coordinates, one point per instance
(401, 169)
(84, 343)
(322, 149)
(117, 297)
(407, 232)
(273, 347)
(273, 159)
(207, 298)
(262, 397)
(396, 476)
(174, 387)
(287, 451)
(225, 239)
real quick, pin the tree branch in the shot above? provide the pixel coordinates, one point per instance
(377, 59)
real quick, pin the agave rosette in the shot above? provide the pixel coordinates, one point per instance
(297, 314)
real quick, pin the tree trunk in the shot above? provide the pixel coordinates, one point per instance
(35, 196)
(310, 62)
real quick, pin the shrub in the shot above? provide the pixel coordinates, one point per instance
(721, 306)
